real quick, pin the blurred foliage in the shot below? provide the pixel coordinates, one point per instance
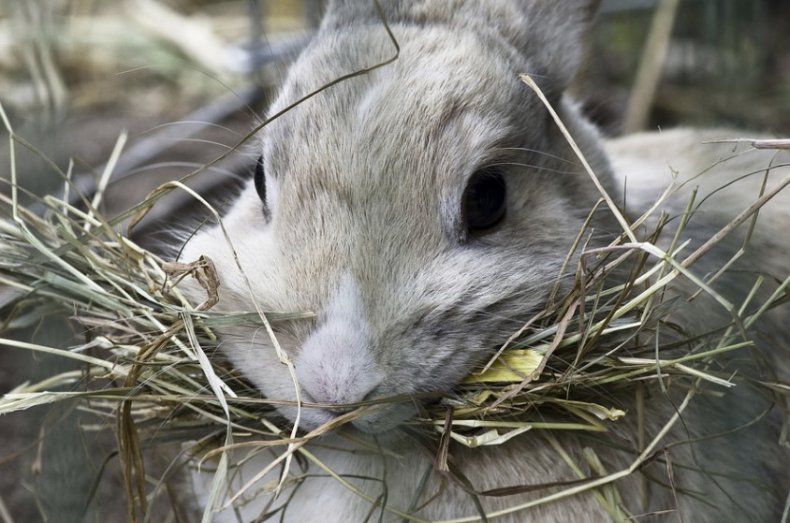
(728, 64)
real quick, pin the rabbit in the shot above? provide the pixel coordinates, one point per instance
(422, 211)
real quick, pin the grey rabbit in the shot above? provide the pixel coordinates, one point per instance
(423, 211)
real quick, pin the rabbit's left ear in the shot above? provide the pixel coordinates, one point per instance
(552, 36)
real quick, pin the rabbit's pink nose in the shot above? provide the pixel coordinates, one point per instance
(336, 365)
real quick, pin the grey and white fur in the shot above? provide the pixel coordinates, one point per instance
(363, 224)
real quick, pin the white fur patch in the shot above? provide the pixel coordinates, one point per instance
(336, 364)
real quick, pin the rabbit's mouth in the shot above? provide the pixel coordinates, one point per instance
(383, 419)
(374, 417)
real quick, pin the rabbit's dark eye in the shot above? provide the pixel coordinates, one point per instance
(260, 180)
(484, 200)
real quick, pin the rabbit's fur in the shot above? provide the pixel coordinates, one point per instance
(362, 225)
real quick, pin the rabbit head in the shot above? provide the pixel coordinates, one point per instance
(421, 211)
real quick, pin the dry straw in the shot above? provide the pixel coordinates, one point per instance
(149, 368)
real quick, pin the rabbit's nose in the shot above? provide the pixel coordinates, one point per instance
(335, 375)
(336, 365)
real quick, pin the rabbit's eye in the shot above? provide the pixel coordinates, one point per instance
(260, 180)
(484, 200)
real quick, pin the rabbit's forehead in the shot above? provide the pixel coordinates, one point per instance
(429, 117)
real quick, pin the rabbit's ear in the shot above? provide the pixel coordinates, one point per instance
(548, 34)
(344, 13)
(552, 37)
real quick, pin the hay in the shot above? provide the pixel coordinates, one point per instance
(148, 362)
